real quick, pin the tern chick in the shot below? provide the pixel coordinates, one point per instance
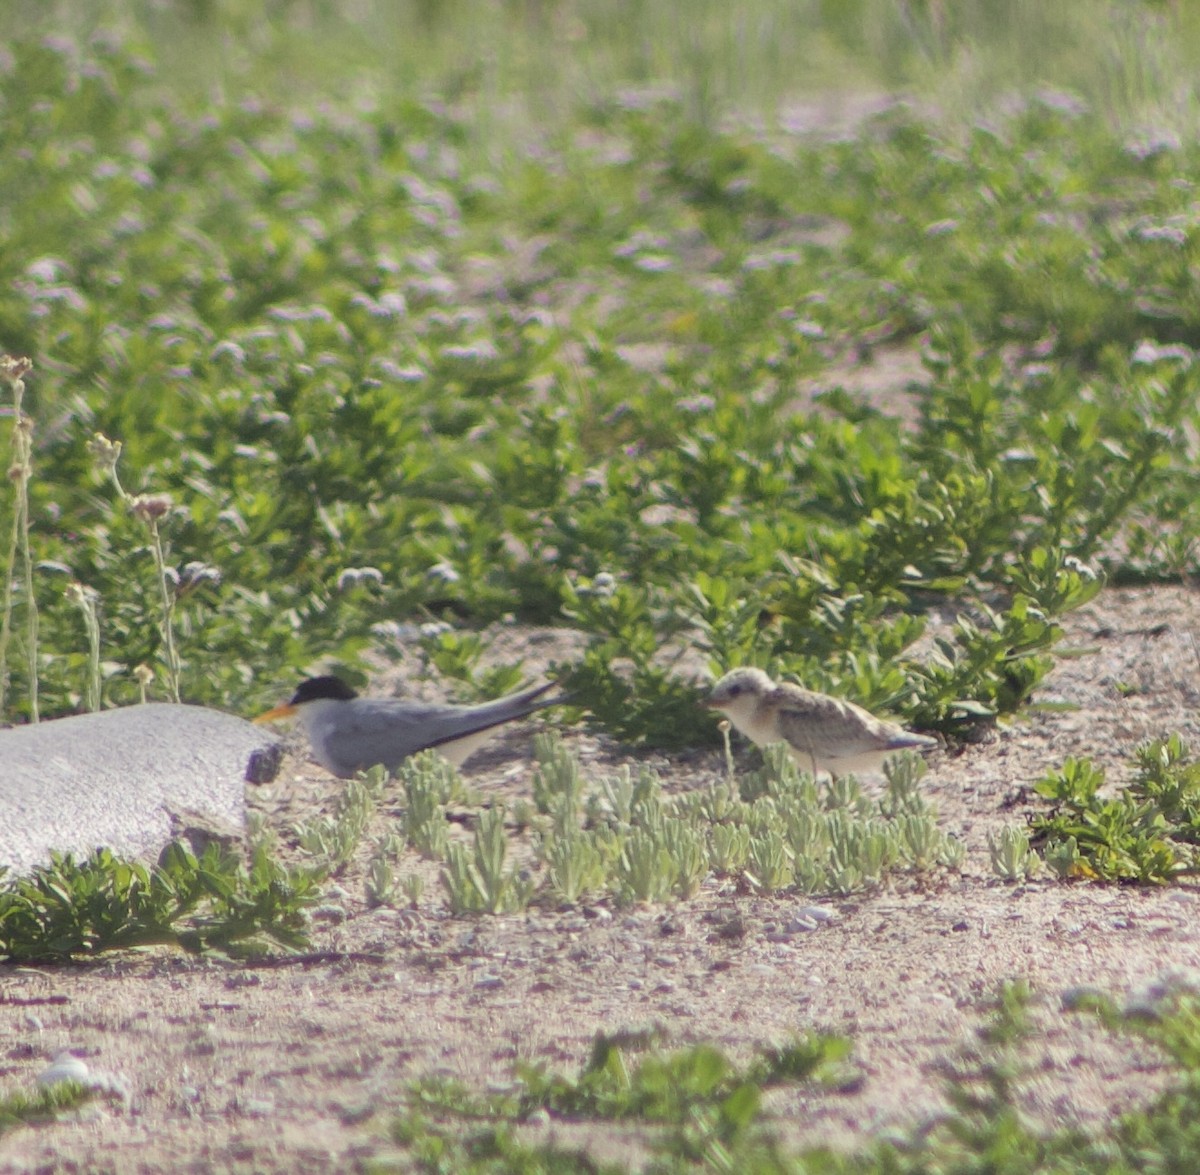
(823, 733)
(349, 734)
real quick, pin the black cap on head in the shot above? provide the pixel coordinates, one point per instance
(314, 688)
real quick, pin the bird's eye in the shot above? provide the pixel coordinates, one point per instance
(734, 690)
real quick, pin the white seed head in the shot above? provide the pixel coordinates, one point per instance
(442, 573)
(81, 595)
(353, 576)
(104, 453)
(15, 367)
(192, 575)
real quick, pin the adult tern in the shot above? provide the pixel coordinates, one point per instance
(349, 733)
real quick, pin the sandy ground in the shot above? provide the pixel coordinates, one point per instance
(300, 1065)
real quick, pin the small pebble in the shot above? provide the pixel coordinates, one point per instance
(799, 924)
(257, 1107)
(250, 979)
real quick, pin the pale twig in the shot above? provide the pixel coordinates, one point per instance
(84, 598)
(724, 726)
(149, 508)
(13, 371)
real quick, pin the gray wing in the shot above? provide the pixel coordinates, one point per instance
(383, 731)
(456, 722)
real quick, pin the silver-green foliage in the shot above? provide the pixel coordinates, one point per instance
(771, 861)
(779, 830)
(645, 870)
(382, 884)
(1011, 856)
(622, 836)
(476, 880)
(728, 847)
(576, 864)
(557, 779)
(430, 783)
(381, 880)
(832, 839)
(337, 838)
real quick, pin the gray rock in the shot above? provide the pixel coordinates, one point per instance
(124, 779)
(65, 1067)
